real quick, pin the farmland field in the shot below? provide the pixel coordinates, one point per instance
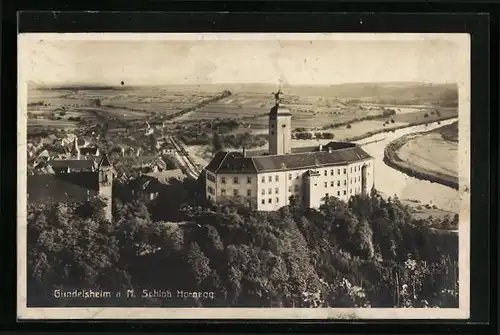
(52, 107)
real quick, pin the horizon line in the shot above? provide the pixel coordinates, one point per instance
(70, 85)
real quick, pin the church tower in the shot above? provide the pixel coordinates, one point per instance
(75, 150)
(280, 128)
(105, 175)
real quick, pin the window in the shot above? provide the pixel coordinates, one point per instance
(249, 180)
(277, 178)
(338, 193)
(296, 188)
(289, 189)
(355, 179)
(272, 126)
(270, 201)
(345, 171)
(338, 182)
(326, 184)
(263, 201)
(235, 192)
(350, 191)
(338, 171)
(270, 191)
(277, 200)
(289, 176)
(223, 180)
(249, 193)
(277, 190)
(327, 195)
(331, 172)
(263, 179)
(263, 192)
(326, 173)
(350, 181)
(270, 178)
(236, 180)
(272, 133)
(345, 192)
(283, 126)
(223, 191)
(345, 182)
(331, 184)
(351, 169)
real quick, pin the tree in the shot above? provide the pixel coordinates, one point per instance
(363, 239)
(200, 269)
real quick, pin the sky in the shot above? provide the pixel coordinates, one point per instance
(293, 62)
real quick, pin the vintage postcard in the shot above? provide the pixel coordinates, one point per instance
(243, 176)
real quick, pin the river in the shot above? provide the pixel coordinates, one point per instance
(391, 182)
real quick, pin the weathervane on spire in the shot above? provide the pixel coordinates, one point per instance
(277, 95)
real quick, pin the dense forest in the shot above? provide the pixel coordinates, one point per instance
(368, 252)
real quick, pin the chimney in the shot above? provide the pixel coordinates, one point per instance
(330, 149)
(244, 152)
(321, 147)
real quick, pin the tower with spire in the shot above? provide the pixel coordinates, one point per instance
(280, 127)
(75, 150)
(105, 182)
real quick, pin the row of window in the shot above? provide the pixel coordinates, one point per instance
(270, 191)
(270, 178)
(236, 180)
(357, 190)
(211, 177)
(270, 201)
(345, 182)
(236, 192)
(276, 177)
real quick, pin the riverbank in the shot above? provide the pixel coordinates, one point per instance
(393, 160)
(393, 129)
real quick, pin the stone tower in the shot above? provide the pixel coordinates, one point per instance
(280, 128)
(75, 150)
(105, 175)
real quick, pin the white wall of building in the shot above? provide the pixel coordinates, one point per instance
(273, 189)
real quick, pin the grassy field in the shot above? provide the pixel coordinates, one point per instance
(430, 153)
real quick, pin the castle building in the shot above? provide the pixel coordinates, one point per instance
(267, 181)
(68, 185)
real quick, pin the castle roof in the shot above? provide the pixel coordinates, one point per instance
(332, 154)
(68, 188)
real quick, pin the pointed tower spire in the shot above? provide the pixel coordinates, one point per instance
(104, 161)
(75, 150)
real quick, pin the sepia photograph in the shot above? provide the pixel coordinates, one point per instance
(242, 175)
